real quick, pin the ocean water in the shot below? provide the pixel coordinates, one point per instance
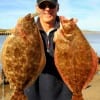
(92, 38)
(2, 38)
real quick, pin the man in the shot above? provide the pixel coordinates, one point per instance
(49, 85)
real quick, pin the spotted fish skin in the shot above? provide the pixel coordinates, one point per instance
(74, 58)
(23, 56)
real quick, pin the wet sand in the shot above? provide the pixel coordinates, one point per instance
(90, 93)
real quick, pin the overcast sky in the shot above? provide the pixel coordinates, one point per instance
(86, 11)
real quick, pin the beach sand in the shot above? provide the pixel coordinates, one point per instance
(5, 92)
(92, 92)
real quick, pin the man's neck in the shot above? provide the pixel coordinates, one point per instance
(46, 26)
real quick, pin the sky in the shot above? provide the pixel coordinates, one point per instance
(86, 11)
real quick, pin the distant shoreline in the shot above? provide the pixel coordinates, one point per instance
(90, 32)
(7, 31)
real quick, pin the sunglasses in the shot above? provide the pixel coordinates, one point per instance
(49, 5)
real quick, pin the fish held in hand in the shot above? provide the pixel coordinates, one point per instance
(23, 56)
(74, 58)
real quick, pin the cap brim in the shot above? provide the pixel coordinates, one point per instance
(51, 1)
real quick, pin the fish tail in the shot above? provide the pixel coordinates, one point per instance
(18, 95)
(77, 97)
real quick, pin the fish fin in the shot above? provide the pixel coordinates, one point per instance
(93, 69)
(18, 95)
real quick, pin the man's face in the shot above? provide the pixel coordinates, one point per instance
(47, 11)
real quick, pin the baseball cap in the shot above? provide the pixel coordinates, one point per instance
(52, 1)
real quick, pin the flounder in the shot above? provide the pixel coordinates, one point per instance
(74, 58)
(23, 56)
